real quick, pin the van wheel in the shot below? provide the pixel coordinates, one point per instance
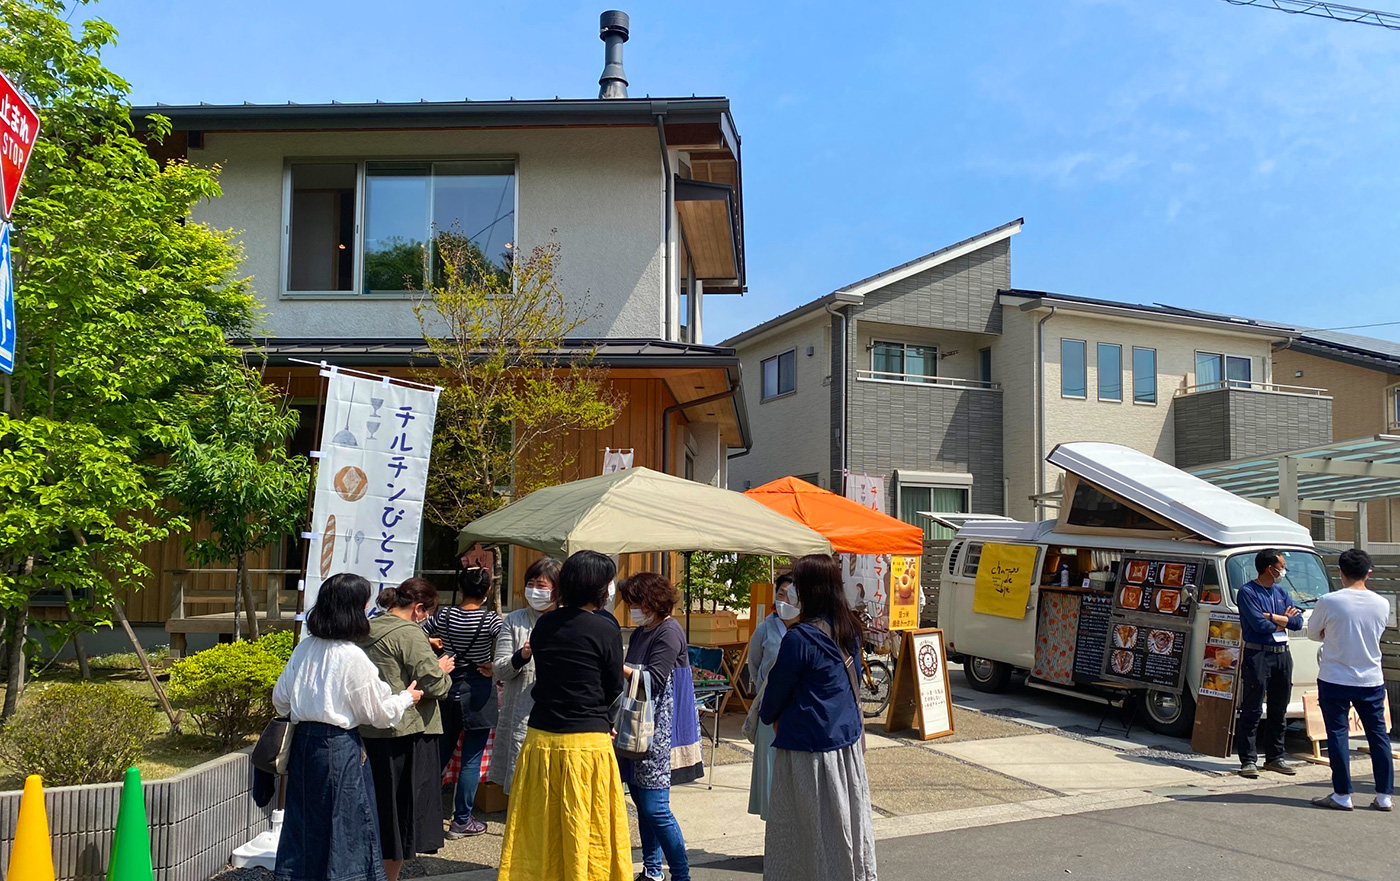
(985, 675)
(1167, 713)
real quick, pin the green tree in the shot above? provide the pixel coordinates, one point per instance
(724, 579)
(123, 307)
(512, 388)
(230, 468)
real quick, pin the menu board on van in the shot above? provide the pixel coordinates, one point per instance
(1145, 655)
(1156, 587)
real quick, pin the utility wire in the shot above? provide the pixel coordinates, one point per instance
(1334, 11)
(1359, 326)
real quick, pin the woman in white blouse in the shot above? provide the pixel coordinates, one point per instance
(329, 688)
(763, 651)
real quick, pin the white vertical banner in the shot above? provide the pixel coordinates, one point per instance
(868, 491)
(867, 575)
(375, 443)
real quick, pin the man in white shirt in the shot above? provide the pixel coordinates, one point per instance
(1349, 623)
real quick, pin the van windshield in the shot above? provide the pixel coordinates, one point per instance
(1307, 576)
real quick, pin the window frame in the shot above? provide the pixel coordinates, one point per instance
(904, 374)
(361, 161)
(1155, 396)
(1084, 368)
(1225, 382)
(1098, 372)
(763, 396)
(1392, 407)
(984, 365)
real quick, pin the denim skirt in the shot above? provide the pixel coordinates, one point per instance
(330, 831)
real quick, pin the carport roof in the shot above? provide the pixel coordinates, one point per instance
(1359, 470)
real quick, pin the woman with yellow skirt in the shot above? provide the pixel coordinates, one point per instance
(567, 820)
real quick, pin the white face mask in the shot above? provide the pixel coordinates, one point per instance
(1282, 574)
(612, 592)
(539, 598)
(788, 611)
(640, 617)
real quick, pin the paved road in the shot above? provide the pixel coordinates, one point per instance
(1267, 834)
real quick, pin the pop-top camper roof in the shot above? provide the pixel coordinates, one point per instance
(1172, 496)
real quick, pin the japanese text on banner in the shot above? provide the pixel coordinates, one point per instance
(373, 472)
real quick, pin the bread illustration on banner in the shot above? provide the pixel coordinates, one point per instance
(328, 546)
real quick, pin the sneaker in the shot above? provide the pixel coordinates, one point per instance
(465, 830)
(1376, 805)
(1248, 769)
(1328, 801)
(645, 877)
(1279, 766)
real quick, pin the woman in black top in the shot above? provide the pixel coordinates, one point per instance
(567, 818)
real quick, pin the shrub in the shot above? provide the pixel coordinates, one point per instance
(228, 688)
(81, 733)
(128, 660)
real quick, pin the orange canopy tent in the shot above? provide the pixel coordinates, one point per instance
(851, 527)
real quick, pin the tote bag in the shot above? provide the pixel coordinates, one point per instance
(636, 724)
(274, 746)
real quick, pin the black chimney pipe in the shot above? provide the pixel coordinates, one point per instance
(613, 31)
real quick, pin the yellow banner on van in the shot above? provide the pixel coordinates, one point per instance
(1004, 575)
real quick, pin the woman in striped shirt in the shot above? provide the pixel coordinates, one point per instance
(468, 631)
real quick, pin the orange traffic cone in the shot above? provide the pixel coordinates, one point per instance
(31, 858)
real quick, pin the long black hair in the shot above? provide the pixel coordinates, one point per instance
(584, 578)
(817, 578)
(339, 612)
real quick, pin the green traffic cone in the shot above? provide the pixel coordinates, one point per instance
(131, 844)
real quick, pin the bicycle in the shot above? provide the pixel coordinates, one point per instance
(876, 681)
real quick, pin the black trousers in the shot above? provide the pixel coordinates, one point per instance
(1266, 676)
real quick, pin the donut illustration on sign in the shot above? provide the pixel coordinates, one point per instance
(928, 661)
(351, 483)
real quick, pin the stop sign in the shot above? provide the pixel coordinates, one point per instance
(19, 129)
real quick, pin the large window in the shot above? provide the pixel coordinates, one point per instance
(1110, 372)
(1144, 376)
(903, 362)
(1074, 381)
(935, 499)
(1307, 576)
(376, 227)
(1215, 371)
(780, 374)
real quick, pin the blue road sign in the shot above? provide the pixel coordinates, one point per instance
(8, 330)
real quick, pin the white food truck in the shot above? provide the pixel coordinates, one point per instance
(1132, 588)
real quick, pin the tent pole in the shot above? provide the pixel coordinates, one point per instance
(687, 597)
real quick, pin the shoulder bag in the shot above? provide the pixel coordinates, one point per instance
(636, 723)
(478, 693)
(274, 747)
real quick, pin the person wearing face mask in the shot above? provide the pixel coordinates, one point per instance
(514, 670)
(763, 651)
(1266, 616)
(403, 760)
(658, 646)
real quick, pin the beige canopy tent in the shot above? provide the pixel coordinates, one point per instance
(639, 511)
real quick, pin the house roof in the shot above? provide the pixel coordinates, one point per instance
(855, 291)
(1350, 348)
(1154, 312)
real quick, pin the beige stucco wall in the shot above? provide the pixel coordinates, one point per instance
(1145, 427)
(1013, 365)
(1360, 407)
(600, 189)
(792, 433)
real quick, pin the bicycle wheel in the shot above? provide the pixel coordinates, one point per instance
(875, 687)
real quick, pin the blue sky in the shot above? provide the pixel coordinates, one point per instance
(1181, 151)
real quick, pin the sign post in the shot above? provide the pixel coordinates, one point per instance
(921, 697)
(7, 304)
(19, 129)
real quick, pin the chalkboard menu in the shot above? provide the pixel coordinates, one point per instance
(1089, 643)
(1157, 587)
(1147, 655)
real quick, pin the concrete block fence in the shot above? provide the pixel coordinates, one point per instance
(197, 818)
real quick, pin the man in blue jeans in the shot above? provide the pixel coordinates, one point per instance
(1348, 623)
(1266, 669)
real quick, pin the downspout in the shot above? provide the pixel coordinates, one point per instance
(1040, 405)
(676, 408)
(835, 310)
(666, 258)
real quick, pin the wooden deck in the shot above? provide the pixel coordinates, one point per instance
(274, 607)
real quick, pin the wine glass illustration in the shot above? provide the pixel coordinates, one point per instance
(372, 427)
(345, 437)
(376, 403)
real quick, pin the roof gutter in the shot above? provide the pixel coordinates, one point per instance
(676, 408)
(1127, 312)
(837, 309)
(1040, 403)
(670, 304)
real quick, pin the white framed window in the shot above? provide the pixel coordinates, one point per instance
(903, 362)
(1392, 407)
(1074, 371)
(984, 365)
(1144, 375)
(779, 374)
(920, 492)
(1215, 370)
(371, 226)
(1110, 372)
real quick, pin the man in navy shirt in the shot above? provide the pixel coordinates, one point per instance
(1266, 616)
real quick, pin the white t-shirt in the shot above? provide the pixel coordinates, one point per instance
(1349, 623)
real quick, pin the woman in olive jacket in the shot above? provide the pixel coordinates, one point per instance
(404, 760)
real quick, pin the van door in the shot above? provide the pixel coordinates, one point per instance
(1009, 640)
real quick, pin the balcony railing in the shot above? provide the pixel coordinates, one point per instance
(1251, 386)
(929, 381)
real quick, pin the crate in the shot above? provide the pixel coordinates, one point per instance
(491, 798)
(712, 628)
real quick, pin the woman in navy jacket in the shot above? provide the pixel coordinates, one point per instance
(819, 822)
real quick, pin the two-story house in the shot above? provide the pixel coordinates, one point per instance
(941, 377)
(336, 207)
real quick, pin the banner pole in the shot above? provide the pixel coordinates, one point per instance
(310, 504)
